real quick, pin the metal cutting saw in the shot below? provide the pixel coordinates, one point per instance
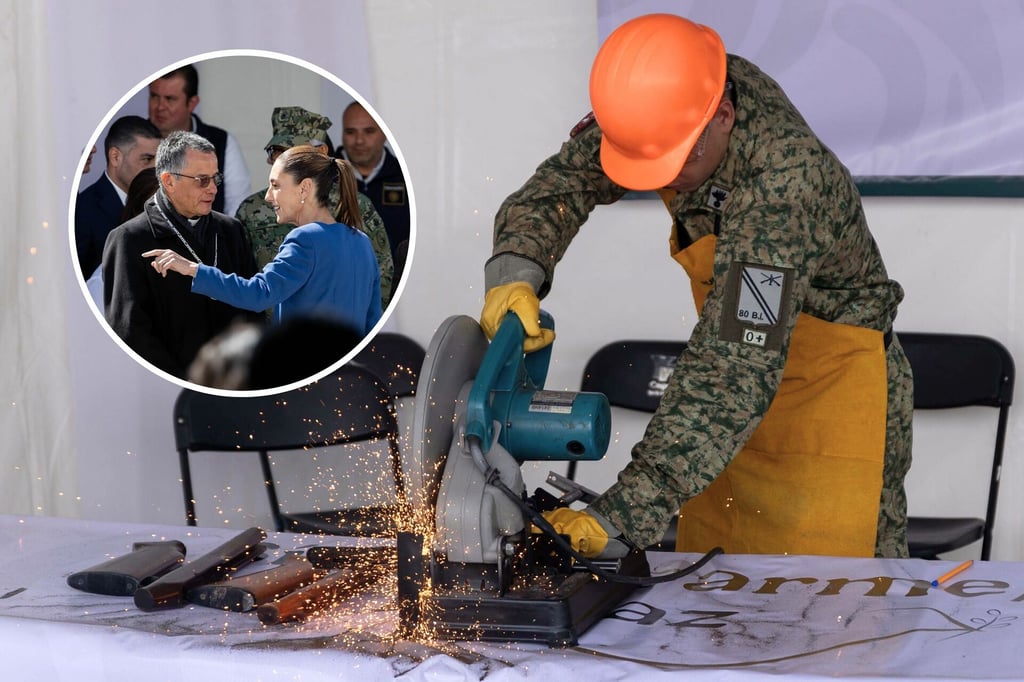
(477, 568)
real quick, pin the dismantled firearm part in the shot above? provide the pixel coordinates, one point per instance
(245, 593)
(355, 570)
(331, 557)
(169, 590)
(123, 575)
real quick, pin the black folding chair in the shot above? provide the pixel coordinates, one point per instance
(349, 408)
(959, 371)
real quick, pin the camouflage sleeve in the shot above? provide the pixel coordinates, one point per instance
(373, 226)
(261, 227)
(244, 215)
(538, 221)
(721, 388)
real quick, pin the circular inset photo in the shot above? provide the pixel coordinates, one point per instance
(250, 250)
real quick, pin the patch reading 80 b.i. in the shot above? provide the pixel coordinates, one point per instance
(760, 295)
(755, 311)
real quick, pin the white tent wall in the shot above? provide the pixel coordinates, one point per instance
(476, 94)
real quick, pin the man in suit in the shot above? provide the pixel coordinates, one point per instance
(130, 146)
(173, 98)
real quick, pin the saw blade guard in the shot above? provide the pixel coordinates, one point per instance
(473, 516)
(535, 424)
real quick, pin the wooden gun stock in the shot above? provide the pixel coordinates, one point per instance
(246, 592)
(123, 575)
(169, 590)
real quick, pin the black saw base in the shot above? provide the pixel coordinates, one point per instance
(553, 609)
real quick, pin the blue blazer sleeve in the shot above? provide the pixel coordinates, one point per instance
(279, 279)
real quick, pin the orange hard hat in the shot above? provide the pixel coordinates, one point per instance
(656, 82)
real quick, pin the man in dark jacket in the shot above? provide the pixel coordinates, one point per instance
(380, 177)
(161, 319)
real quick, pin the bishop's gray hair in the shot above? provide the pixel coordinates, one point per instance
(170, 155)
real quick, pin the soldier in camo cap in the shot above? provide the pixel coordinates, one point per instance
(294, 126)
(785, 427)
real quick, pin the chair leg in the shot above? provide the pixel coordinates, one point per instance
(268, 482)
(186, 487)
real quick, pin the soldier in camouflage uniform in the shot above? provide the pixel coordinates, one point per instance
(786, 424)
(293, 126)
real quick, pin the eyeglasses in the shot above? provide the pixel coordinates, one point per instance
(204, 180)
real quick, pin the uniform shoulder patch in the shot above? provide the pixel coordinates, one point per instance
(756, 310)
(584, 123)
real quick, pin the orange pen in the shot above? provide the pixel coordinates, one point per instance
(953, 572)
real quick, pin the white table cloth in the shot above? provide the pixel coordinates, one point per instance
(739, 617)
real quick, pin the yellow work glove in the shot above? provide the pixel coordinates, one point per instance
(586, 534)
(520, 299)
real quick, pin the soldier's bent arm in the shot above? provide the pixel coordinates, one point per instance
(539, 220)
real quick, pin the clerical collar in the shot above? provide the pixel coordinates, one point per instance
(168, 212)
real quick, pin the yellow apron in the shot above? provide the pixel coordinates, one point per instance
(809, 479)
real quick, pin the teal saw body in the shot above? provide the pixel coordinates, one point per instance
(481, 411)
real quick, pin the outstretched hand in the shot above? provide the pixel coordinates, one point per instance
(165, 260)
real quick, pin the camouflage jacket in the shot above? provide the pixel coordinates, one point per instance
(266, 235)
(779, 199)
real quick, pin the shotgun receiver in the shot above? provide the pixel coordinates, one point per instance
(123, 575)
(169, 589)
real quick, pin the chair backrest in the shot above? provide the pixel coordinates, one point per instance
(349, 406)
(632, 374)
(395, 358)
(958, 370)
(961, 370)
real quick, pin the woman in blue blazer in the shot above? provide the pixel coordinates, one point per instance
(324, 268)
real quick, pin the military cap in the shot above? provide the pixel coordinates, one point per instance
(294, 126)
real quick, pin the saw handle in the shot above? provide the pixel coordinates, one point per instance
(505, 364)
